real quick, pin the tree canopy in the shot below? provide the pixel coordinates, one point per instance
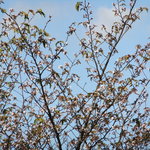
(52, 97)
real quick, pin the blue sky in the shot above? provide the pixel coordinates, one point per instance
(64, 13)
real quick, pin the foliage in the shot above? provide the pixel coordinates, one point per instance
(43, 107)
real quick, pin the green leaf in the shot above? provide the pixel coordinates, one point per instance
(3, 10)
(77, 6)
(26, 24)
(45, 33)
(25, 15)
(38, 120)
(39, 11)
(36, 27)
(63, 121)
(1, 50)
(41, 31)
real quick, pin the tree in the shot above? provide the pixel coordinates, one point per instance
(43, 107)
